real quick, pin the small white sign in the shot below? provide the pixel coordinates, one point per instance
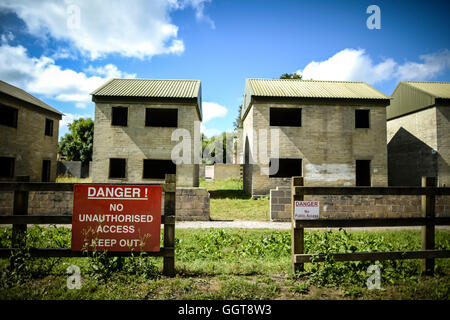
(306, 210)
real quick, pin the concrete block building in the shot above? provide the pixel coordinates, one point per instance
(134, 122)
(29, 136)
(330, 132)
(418, 133)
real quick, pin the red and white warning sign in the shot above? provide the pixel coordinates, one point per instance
(306, 210)
(116, 218)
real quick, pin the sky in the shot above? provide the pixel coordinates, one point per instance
(61, 50)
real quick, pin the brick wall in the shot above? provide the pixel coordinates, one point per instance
(280, 204)
(40, 203)
(136, 142)
(356, 206)
(191, 203)
(327, 142)
(419, 145)
(225, 171)
(27, 143)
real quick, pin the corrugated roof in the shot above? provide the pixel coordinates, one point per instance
(25, 96)
(413, 96)
(152, 88)
(296, 88)
(435, 89)
(156, 88)
(313, 89)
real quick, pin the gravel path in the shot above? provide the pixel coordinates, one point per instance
(233, 224)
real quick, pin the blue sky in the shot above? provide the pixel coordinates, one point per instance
(60, 50)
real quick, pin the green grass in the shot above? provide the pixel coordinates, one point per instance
(230, 264)
(229, 202)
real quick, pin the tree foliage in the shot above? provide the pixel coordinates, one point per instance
(77, 144)
(209, 147)
(291, 76)
(238, 121)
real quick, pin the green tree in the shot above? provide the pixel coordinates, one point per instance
(209, 144)
(77, 144)
(291, 76)
(238, 121)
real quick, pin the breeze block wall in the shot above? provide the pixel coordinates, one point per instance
(225, 171)
(136, 142)
(327, 142)
(191, 203)
(356, 206)
(28, 143)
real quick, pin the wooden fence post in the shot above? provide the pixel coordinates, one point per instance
(428, 211)
(20, 207)
(169, 225)
(297, 234)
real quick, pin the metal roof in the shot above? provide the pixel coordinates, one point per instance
(156, 88)
(313, 89)
(412, 96)
(435, 89)
(297, 88)
(20, 94)
(152, 88)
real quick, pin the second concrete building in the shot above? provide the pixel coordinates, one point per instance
(332, 133)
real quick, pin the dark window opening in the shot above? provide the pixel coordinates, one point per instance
(119, 116)
(8, 116)
(161, 117)
(157, 169)
(287, 168)
(46, 170)
(117, 168)
(6, 167)
(362, 118)
(287, 117)
(363, 173)
(48, 127)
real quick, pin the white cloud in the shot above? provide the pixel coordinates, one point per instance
(138, 28)
(63, 53)
(6, 37)
(349, 65)
(209, 132)
(68, 118)
(43, 76)
(109, 71)
(432, 66)
(213, 110)
(199, 6)
(81, 105)
(357, 65)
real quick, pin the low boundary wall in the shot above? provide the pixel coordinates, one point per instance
(356, 206)
(191, 203)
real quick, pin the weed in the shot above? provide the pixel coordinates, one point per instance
(300, 288)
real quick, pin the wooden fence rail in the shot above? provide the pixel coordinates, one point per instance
(428, 191)
(20, 219)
